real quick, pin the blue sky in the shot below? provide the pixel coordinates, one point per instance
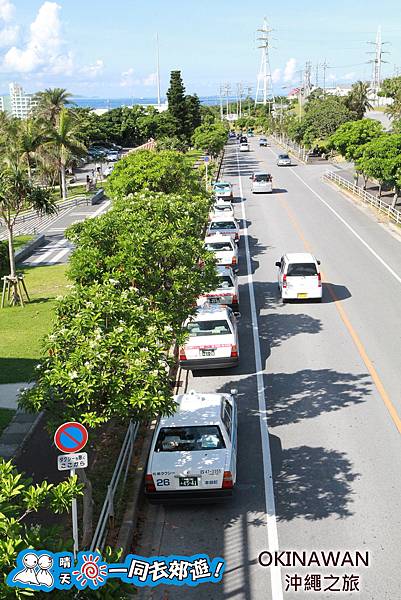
(107, 49)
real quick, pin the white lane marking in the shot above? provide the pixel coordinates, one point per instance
(59, 256)
(348, 226)
(42, 257)
(100, 209)
(272, 535)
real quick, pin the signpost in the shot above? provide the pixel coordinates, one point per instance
(206, 159)
(71, 438)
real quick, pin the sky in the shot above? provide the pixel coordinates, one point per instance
(108, 50)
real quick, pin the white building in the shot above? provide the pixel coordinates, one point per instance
(21, 104)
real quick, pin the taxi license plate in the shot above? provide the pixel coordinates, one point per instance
(302, 295)
(207, 352)
(214, 300)
(188, 481)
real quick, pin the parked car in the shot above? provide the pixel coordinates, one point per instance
(226, 292)
(222, 189)
(112, 155)
(262, 182)
(213, 339)
(283, 160)
(221, 209)
(263, 141)
(225, 250)
(226, 226)
(244, 147)
(193, 454)
(299, 277)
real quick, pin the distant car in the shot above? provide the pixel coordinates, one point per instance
(108, 170)
(226, 292)
(213, 339)
(225, 250)
(193, 454)
(283, 160)
(243, 139)
(250, 133)
(244, 147)
(112, 155)
(232, 134)
(263, 141)
(299, 277)
(226, 226)
(262, 182)
(222, 189)
(221, 209)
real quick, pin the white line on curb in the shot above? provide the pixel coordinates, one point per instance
(272, 535)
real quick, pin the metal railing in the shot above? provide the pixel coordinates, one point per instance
(392, 213)
(292, 147)
(121, 469)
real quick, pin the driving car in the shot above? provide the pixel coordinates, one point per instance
(226, 292)
(225, 250)
(221, 209)
(262, 182)
(232, 134)
(193, 454)
(299, 276)
(283, 160)
(213, 339)
(244, 147)
(263, 141)
(112, 155)
(243, 139)
(223, 225)
(222, 189)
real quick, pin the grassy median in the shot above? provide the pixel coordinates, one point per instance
(22, 329)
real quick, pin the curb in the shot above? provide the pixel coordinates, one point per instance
(27, 249)
(18, 432)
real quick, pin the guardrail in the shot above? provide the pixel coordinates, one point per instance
(392, 213)
(292, 147)
(121, 468)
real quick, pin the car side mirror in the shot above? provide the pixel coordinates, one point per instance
(318, 262)
(278, 263)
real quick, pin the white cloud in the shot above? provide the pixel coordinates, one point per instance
(332, 77)
(289, 70)
(128, 79)
(9, 36)
(349, 76)
(44, 50)
(151, 79)
(276, 75)
(7, 10)
(95, 69)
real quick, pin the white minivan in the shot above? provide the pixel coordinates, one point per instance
(299, 277)
(261, 183)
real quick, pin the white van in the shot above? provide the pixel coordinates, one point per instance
(299, 277)
(261, 183)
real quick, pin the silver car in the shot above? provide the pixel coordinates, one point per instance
(283, 160)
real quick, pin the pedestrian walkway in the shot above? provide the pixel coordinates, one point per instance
(56, 250)
(22, 424)
(9, 394)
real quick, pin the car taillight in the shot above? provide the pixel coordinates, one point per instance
(182, 354)
(234, 351)
(149, 483)
(284, 281)
(237, 236)
(233, 260)
(227, 481)
(319, 280)
(235, 299)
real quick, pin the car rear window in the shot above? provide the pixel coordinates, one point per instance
(263, 177)
(301, 269)
(219, 246)
(222, 186)
(213, 327)
(222, 225)
(189, 439)
(222, 208)
(283, 156)
(225, 282)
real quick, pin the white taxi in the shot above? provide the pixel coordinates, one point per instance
(222, 189)
(193, 455)
(299, 276)
(213, 339)
(226, 292)
(226, 226)
(244, 147)
(221, 209)
(225, 250)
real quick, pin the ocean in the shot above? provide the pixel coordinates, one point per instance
(117, 102)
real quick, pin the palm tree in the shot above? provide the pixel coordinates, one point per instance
(62, 137)
(31, 138)
(51, 102)
(358, 99)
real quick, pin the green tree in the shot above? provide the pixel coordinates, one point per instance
(50, 103)
(165, 171)
(194, 117)
(31, 136)
(380, 159)
(210, 138)
(177, 105)
(391, 88)
(322, 118)
(350, 136)
(357, 100)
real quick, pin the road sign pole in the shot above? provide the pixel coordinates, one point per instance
(74, 514)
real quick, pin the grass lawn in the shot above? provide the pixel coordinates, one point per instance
(21, 240)
(22, 329)
(6, 414)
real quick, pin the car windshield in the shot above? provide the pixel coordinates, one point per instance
(219, 246)
(203, 328)
(222, 225)
(283, 156)
(189, 439)
(301, 269)
(225, 282)
(221, 186)
(263, 177)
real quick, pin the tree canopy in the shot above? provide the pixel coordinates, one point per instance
(350, 136)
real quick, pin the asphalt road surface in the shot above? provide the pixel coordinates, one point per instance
(319, 401)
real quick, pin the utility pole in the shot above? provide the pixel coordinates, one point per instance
(240, 91)
(376, 63)
(221, 102)
(227, 93)
(300, 95)
(158, 69)
(264, 71)
(325, 66)
(249, 95)
(307, 79)
(317, 75)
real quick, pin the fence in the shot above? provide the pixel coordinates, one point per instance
(299, 151)
(121, 468)
(392, 213)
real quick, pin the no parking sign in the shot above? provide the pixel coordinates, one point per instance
(71, 437)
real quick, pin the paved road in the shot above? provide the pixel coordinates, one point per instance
(329, 378)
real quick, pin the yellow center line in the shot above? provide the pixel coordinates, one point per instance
(341, 311)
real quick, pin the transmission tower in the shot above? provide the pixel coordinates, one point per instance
(325, 66)
(376, 63)
(307, 84)
(265, 75)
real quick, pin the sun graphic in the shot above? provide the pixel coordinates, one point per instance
(91, 571)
